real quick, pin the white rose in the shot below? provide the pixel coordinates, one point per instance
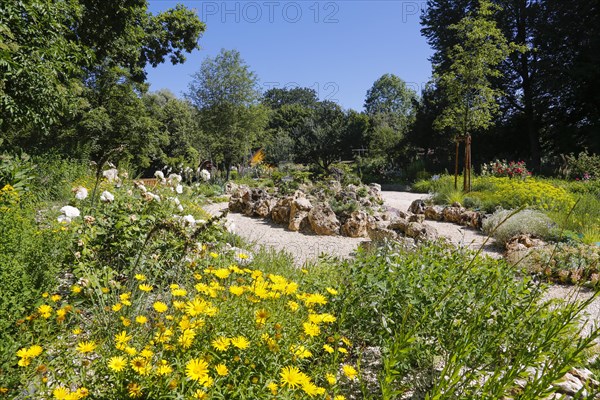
(111, 175)
(179, 189)
(205, 175)
(159, 175)
(81, 193)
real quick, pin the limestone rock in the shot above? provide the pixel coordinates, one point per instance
(420, 218)
(298, 220)
(421, 232)
(452, 214)
(323, 220)
(280, 213)
(433, 212)
(356, 225)
(263, 207)
(398, 224)
(417, 207)
(379, 234)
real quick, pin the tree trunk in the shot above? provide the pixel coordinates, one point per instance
(456, 166)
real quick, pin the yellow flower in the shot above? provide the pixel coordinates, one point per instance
(222, 273)
(160, 307)
(187, 338)
(213, 254)
(261, 316)
(117, 307)
(122, 338)
(240, 342)
(221, 343)
(315, 298)
(130, 350)
(293, 305)
(330, 378)
(346, 341)
(222, 370)
(55, 297)
(237, 290)
(76, 331)
(140, 277)
(197, 370)
(273, 388)
(200, 395)
(145, 287)
(117, 363)
(300, 351)
(328, 348)
(75, 289)
(146, 353)
(178, 292)
(292, 377)
(34, 351)
(339, 397)
(311, 389)
(311, 329)
(163, 368)
(140, 365)
(126, 321)
(179, 305)
(195, 307)
(61, 393)
(45, 310)
(331, 291)
(86, 347)
(342, 350)
(140, 319)
(105, 290)
(349, 371)
(134, 390)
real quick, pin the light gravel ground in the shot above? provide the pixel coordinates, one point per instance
(303, 247)
(306, 247)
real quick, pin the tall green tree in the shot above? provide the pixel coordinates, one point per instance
(226, 93)
(320, 139)
(472, 100)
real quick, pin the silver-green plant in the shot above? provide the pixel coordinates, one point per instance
(502, 225)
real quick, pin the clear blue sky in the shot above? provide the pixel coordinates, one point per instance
(338, 48)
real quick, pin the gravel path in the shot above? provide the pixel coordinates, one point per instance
(307, 247)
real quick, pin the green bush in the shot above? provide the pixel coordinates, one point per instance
(584, 166)
(452, 325)
(504, 224)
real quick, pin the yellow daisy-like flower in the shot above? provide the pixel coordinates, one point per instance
(140, 277)
(292, 377)
(61, 393)
(125, 321)
(76, 331)
(145, 287)
(122, 338)
(240, 342)
(293, 305)
(315, 298)
(117, 363)
(132, 351)
(311, 329)
(346, 341)
(328, 348)
(160, 307)
(45, 310)
(273, 388)
(179, 292)
(140, 365)
(261, 316)
(163, 368)
(179, 305)
(75, 289)
(105, 290)
(339, 397)
(222, 370)
(237, 290)
(222, 273)
(140, 319)
(86, 347)
(197, 370)
(187, 338)
(221, 343)
(146, 353)
(349, 371)
(331, 291)
(195, 307)
(311, 389)
(134, 390)
(34, 351)
(55, 297)
(300, 351)
(213, 254)
(200, 395)
(117, 307)
(342, 350)
(330, 378)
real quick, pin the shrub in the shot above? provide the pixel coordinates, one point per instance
(584, 166)
(511, 193)
(512, 169)
(452, 325)
(504, 224)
